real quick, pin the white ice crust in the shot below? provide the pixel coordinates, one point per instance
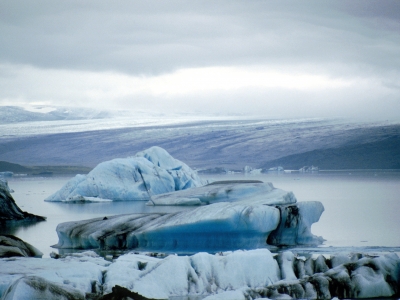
(245, 191)
(148, 173)
(240, 274)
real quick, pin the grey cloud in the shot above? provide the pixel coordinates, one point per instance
(150, 37)
(385, 9)
(352, 40)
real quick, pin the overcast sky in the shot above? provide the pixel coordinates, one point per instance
(271, 58)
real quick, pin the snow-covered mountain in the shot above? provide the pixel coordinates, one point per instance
(16, 114)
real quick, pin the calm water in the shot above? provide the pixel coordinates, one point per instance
(361, 209)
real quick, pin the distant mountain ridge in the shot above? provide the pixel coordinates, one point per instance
(16, 114)
(42, 170)
(229, 144)
(10, 167)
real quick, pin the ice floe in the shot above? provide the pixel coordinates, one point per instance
(216, 227)
(239, 215)
(148, 173)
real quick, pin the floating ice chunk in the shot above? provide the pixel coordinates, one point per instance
(65, 192)
(150, 172)
(216, 227)
(244, 224)
(81, 199)
(244, 191)
(6, 174)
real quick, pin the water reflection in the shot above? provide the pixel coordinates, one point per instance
(13, 227)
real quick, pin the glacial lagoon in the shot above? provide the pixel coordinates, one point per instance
(361, 208)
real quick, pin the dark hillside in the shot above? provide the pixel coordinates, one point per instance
(384, 154)
(43, 170)
(6, 166)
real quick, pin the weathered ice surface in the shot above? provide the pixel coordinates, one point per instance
(34, 287)
(367, 277)
(13, 246)
(249, 191)
(76, 274)
(235, 275)
(200, 274)
(216, 227)
(295, 224)
(9, 211)
(148, 173)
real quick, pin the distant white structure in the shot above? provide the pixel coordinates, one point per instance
(250, 170)
(276, 169)
(6, 174)
(308, 169)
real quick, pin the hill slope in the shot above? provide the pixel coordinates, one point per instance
(383, 154)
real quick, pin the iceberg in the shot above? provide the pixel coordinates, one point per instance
(6, 174)
(215, 227)
(150, 172)
(252, 171)
(240, 274)
(245, 224)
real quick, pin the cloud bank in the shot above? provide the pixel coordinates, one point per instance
(266, 58)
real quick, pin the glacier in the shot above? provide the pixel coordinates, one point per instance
(241, 274)
(148, 173)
